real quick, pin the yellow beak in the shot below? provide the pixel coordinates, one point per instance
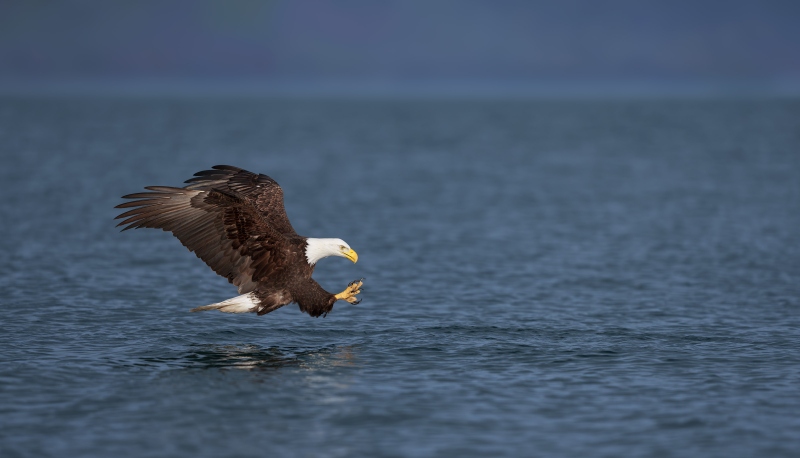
(352, 255)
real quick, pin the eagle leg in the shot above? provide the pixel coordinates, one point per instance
(349, 294)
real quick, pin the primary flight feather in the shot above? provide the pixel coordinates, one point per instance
(235, 221)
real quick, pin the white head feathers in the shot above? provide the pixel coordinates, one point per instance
(322, 248)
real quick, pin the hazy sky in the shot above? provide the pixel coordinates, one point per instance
(401, 42)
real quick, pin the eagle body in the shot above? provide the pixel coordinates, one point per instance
(235, 221)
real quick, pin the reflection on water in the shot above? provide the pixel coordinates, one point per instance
(252, 357)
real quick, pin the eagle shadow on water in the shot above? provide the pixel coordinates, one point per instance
(235, 221)
(254, 357)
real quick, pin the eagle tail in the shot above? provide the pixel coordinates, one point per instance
(239, 304)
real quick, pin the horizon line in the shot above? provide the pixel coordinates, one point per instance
(463, 88)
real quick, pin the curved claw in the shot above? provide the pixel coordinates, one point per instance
(358, 301)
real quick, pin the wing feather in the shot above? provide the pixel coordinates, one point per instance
(228, 228)
(264, 193)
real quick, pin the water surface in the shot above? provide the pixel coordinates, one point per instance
(544, 277)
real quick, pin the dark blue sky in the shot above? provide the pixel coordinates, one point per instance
(401, 42)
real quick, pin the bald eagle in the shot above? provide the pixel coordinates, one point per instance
(234, 220)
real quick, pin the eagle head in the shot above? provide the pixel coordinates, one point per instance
(317, 249)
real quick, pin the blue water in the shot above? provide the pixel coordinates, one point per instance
(543, 278)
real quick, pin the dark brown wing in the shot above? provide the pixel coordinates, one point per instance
(223, 229)
(264, 193)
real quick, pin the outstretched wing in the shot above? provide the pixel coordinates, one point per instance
(264, 193)
(221, 226)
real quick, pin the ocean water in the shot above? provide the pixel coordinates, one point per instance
(600, 277)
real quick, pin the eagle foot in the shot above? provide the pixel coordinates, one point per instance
(349, 294)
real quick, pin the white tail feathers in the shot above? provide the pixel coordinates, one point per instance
(239, 304)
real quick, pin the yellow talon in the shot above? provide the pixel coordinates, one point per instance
(349, 294)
